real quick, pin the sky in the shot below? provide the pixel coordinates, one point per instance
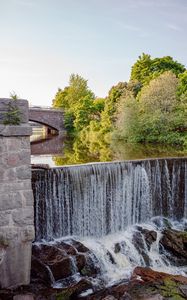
(42, 42)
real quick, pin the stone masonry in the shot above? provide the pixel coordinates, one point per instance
(52, 118)
(16, 199)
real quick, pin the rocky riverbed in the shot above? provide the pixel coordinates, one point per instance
(68, 269)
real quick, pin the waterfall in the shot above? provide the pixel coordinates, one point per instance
(104, 198)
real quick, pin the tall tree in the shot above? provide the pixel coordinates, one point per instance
(146, 68)
(77, 101)
(158, 116)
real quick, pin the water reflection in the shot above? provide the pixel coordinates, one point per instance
(56, 151)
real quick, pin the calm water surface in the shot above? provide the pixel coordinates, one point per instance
(57, 151)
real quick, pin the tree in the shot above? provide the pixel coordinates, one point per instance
(160, 94)
(77, 102)
(13, 115)
(182, 87)
(146, 68)
(127, 119)
(108, 114)
(61, 100)
(140, 71)
(158, 116)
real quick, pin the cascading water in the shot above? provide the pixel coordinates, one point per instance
(101, 204)
(104, 198)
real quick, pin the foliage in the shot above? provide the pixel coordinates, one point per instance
(14, 96)
(108, 114)
(182, 87)
(13, 115)
(61, 100)
(151, 107)
(158, 115)
(146, 68)
(77, 100)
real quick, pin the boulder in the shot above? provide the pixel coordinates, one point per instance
(40, 272)
(140, 246)
(175, 244)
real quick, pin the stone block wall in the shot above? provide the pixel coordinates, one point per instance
(16, 199)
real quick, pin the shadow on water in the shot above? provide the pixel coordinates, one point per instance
(55, 151)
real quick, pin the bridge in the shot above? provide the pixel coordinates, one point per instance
(50, 117)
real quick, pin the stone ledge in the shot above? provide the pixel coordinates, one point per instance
(15, 130)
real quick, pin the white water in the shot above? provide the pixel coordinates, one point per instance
(100, 199)
(128, 257)
(116, 255)
(100, 204)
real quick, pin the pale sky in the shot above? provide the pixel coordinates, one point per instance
(43, 41)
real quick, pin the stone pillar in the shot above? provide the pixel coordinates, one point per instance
(16, 198)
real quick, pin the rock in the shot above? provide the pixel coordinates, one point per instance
(67, 248)
(47, 253)
(150, 237)
(140, 246)
(183, 289)
(53, 262)
(79, 246)
(175, 243)
(118, 247)
(41, 292)
(126, 296)
(109, 298)
(53, 258)
(61, 268)
(110, 257)
(40, 272)
(23, 297)
(91, 267)
(80, 261)
(154, 297)
(148, 275)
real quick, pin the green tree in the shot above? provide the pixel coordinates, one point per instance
(182, 87)
(13, 115)
(146, 68)
(127, 125)
(61, 100)
(108, 114)
(77, 101)
(157, 117)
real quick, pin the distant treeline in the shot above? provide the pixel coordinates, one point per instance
(151, 107)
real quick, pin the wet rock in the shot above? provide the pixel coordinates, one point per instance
(23, 297)
(140, 246)
(183, 289)
(175, 244)
(149, 275)
(91, 267)
(109, 298)
(126, 296)
(41, 292)
(117, 247)
(150, 237)
(61, 267)
(40, 272)
(80, 261)
(48, 253)
(53, 258)
(110, 257)
(162, 223)
(79, 246)
(54, 262)
(67, 248)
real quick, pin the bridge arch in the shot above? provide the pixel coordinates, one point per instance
(49, 117)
